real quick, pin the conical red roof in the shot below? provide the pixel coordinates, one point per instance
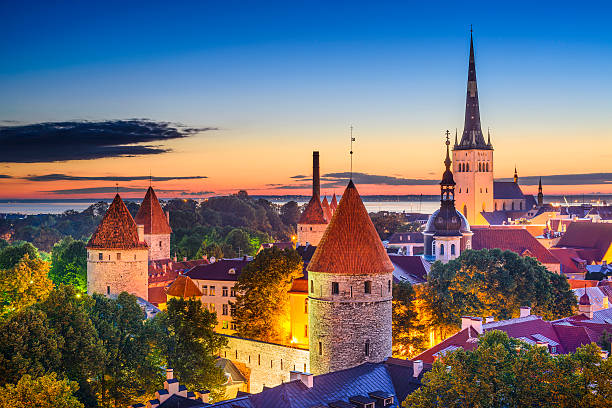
(117, 229)
(327, 211)
(183, 287)
(351, 244)
(313, 213)
(334, 203)
(152, 216)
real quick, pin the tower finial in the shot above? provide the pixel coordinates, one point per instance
(515, 175)
(150, 179)
(351, 152)
(471, 31)
(456, 137)
(447, 161)
(117, 187)
(489, 136)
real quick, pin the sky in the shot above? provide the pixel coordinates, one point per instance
(209, 97)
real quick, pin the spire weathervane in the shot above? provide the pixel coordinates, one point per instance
(117, 187)
(351, 151)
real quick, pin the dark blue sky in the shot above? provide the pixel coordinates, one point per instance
(299, 72)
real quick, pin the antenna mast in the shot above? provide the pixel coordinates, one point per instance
(351, 152)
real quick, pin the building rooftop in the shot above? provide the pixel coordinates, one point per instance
(151, 215)
(400, 238)
(183, 287)
(413, 269)
(117, 230)
(313, 213)
(512, 239)
(505, 190)
(221, 270)
(595, 236)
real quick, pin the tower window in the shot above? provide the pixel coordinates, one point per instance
(452, 249)
(108, 290)
(225, 291)
(100, 256)
(368, 287)
(389, 285)
(118, 256)
(367, 348)
(320, 348)
(441, 249)
(311, 286)
(160, 244)
(335, 288)
(468, 167)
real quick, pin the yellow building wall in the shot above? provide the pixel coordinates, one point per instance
(298, 318)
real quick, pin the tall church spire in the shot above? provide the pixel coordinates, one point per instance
(515, 175)
(540, 194)
(472, 137)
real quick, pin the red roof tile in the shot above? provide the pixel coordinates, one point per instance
(157, 295)
(117, 230)
(183, 287)
(465, 339)
(581, 283)
(152, 216)
(570, 260)
(313, 213)
(327, 211)
(594, 236)
(350, 244)
(515, 240)
(334, 203)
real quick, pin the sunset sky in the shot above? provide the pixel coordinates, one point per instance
(237, 95)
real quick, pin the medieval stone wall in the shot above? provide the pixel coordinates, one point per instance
(269, 363)
(117, 271)
(159, 246)
(351, 327)
(311, 233)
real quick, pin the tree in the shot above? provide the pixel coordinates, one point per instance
(211, 250)
(262, 300)
(239, 240)
(42, 392)
(186, 338)
(11, 255)
(23, 284)
(409, 337)
(493, 283)
(69, 263)
(506, 372)
(28, 345)
(130, 366)
(82, 352)
(606, 341)
(290, 213)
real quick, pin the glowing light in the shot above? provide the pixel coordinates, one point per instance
(31, 282)
(294, 340)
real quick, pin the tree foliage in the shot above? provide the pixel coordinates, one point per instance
(12, 254)
(409, 334)
(493, 283)
(262, 301)
(23, 284)
(42, 392)
(506, 372)
(186, 337)
(69, 263)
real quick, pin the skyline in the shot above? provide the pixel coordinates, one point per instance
(232, 111)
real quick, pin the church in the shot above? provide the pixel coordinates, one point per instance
(478, 197)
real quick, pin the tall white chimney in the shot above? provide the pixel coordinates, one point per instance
(417, 367)
(525, 311)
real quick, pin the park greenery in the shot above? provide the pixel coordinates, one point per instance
(261, 310)
(506, 372)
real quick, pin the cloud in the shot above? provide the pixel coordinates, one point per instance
(104, 190)
(565, 179)
(196, 193)
(61, 177)
(5, 176)
(299, 176)
(83, 140)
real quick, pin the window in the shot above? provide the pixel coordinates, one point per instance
(311, 228)
(367, 286)
(118, 256)
(306, 305)
(160, 244)
(311, 286)
(259, 359)
(225, 324)
(335, 288)
(232, 292)
(306, 331)
(225, 291)
(108, 290)
(553, 349)
(389, 286)
(513, 205)
(367, 348)
(134, 256)
(452, 249)
(233, 327)
(232, 310)
(212, 308)
(320, 348)
(225, 310)
(236, 354)
(441, 249)
(212, 291)
(109, 257)
(100, 255)
(204, 290)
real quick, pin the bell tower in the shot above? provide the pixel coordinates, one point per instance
(473, 157)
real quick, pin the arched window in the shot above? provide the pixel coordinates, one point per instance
(521, 205)
(452, 249)
(487, 166)
(495, 206)
(441, 249)
(465, 209)
(306, 305)
(367, 348)
(513, 205)
(479, 166)
(433, 248)
(504, 206)
(467, 167)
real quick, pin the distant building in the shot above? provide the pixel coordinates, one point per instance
(175, 395)
(156, 226)
(591, 240)
(409, 243)
(117, 255)
(313, 220)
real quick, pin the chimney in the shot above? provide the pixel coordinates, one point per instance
(417, 367)
(489, 319)
(316, 180)
(169, 373)
(525, 311)
(204, 396)
(477, 324)
(184, 259)
(466, 321)
(307, 379)
(294, 375)
(140, 229)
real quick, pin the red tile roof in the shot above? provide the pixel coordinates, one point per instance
(581, 283)
(334, 203)
(465, 339)
(183, 287)
(516, 240)
(313, 213)
(117, 230)
(151, 215)
(327, 211)
(594, 236)
(350, 244)
(157, 295)
(570, 260)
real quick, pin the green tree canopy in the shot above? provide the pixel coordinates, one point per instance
(69, 263)
(42, 392)
(494, 283)
(505, 372)
(186, 338)
(24, 284)
(409, 335)
(11, 255)
(262, 301)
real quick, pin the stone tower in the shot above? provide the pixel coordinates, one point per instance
(350, 291)
(156, 226)
(447, 232)
(117, 255)
(313, 221)
(473, 157)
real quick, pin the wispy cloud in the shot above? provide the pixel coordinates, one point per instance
(83, 140)
(61, 177)
(565, 179)
(196, 193)
(104, 190)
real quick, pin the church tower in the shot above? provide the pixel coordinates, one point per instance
(117, 255)
(314, 220)
(350, 291)
(540, 194)
(156, 226)
(473, 157)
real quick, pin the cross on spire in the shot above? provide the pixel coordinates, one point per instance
(351, 151)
